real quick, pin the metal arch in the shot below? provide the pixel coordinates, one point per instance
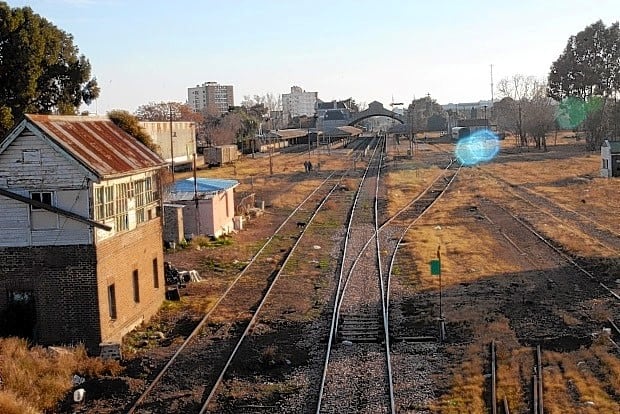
(395, 117)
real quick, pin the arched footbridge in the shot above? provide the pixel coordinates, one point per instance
(375, 109)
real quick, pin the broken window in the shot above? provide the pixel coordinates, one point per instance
(45, 197)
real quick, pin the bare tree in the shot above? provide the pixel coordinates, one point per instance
(539, 117)
(521, 90)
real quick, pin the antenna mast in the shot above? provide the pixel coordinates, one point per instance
(491, 84)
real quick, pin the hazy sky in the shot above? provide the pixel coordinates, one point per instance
(150, 50)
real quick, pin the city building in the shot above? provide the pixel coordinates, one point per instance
(81, 257)
(211, 96)
(298, 103)
(332, 114)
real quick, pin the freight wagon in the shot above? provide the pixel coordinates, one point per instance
(222, 154)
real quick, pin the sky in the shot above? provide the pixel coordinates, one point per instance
(145, 51)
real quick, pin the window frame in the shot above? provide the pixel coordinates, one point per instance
(136, 286)
(40, 199)
(112, 311)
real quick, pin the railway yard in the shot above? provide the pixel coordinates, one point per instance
(325, 302)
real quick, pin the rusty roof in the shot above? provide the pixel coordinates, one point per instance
(97, 143)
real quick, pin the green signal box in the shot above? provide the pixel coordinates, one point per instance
(435, 267)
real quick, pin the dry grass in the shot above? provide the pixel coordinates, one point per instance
(403, 184)
(580, 372)
(34, 379)
(466, 249)
(466, 393)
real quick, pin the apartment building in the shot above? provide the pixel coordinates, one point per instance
(298, 103)
(211, 96)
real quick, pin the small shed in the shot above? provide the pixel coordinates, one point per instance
(610, 159)
(209, 205)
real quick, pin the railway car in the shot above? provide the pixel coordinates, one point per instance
(223, 154)
(460, 132)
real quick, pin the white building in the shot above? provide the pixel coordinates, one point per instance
(182, 137)
(210, 96)
(298, 103)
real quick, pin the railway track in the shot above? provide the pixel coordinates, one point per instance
(208, 351)
(355, 373)
(535, 385)
(360, 379)
(542, 209)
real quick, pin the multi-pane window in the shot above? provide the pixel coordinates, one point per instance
(144, 196)
(45, 197)
(140, 201)
(109, 202)
(99, 203)
(148, 190)
(121, 220)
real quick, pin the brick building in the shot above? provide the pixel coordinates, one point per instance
(81, 257)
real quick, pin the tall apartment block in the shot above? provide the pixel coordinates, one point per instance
(298, 102)
(210, 96)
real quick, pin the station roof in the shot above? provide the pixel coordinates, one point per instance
(343, 131)
(292, 133)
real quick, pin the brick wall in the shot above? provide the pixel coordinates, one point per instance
(63, 281)
(117, 259)
(71, 302)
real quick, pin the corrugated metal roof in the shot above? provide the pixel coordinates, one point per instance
(98, 143)
(205, 187)
(291, 133)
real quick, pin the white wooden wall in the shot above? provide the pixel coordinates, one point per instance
(43, 169)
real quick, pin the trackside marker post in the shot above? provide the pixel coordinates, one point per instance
(436, 271)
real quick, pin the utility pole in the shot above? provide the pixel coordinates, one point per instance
(491, 84)
(171, 142)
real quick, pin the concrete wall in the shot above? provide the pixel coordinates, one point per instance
(183, 140)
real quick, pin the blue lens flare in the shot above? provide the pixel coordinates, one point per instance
(481, 146)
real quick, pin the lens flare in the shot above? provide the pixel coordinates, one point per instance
(571, 113)
(481, 146)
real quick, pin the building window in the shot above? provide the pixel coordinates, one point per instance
(121, 221)
(31, 156)
(112, 301)
(99, 204)
(140, 201)
(109, 202)
(155, 273)
(136, 287)
(45, 197)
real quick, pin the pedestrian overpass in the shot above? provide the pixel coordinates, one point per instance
(375, 109)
